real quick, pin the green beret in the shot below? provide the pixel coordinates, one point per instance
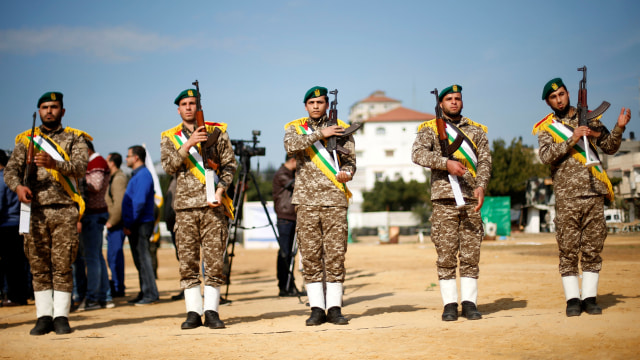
(50, 96)
(315, 92)
(451, 89)
(551, 86)
(185, 94)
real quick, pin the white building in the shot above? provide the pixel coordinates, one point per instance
(626, 165)
(383, 144)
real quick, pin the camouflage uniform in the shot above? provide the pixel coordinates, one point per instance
(321, 207)
(52, 243)
(580, 224)
(455, 232)
(198, 225)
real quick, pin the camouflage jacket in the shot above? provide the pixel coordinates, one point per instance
(426, 152)
(190, 192)
(570, 177)
(313, 187)
(45, 189)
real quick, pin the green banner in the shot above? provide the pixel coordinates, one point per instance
(497, 209)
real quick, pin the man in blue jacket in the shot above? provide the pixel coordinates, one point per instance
(138, 220)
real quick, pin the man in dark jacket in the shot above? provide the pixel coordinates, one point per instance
(283, 181)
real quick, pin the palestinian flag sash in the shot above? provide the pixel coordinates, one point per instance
(42, 142)
(467, 152)
(319, 154)
(560, 133)
(194, 161)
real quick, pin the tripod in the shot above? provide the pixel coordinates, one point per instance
(290, 282)
(245, 154)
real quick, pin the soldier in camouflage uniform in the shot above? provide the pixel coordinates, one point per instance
(61, 157)
(456, 232)
(580, 192)
(199, 224)
(321, 198)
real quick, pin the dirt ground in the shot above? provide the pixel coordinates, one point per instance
(391, 299)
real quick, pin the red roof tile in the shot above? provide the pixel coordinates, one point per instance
(401, 114)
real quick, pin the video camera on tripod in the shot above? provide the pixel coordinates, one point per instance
(240, 147)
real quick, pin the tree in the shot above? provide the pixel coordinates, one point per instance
(399, 195)
(512, 167)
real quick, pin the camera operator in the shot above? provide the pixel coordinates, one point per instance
(283, 181)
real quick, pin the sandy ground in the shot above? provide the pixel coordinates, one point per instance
(391, 298)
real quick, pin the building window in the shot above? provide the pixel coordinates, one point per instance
(380, 131)
(388, 153)
(378, 175)
(359, 154)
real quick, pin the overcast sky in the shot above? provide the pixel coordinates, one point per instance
(120, 64)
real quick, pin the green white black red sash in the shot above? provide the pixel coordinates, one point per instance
(467, 152)
(194, 161)
(319, 155)
(560, 132)
(42, 142)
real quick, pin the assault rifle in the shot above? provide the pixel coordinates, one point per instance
(584, 115)
(444, 147)
(210, 166)
(25, 209)
(332, 146)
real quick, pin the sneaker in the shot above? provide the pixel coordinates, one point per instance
(145, 302)
(136, 299)
(107, 304)
(89, 305)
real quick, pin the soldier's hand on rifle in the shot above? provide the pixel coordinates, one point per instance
(478, 193)
(343, 177)
(24, 194)
(79, 227)
(581, 131)
(623, 119)
(219, 193)
(198, 136)
(45, 160)
(332, 130)
(455, 168)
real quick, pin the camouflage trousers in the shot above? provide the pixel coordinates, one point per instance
(322, 238)
(456, 233)
(580, 228)
(51, 246)
(201, 228)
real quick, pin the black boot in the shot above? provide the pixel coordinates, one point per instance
(470, 311)
(61, 325)
(212, 320)
(317, 317)
(334, 316)
(44, 325)
(450, 312)
(574, 307)
(590, 306)
(193, 321)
